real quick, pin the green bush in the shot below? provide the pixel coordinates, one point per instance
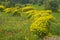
(2, 8)
(53, 6)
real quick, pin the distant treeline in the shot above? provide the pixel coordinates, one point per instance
(48, 4)
(22, 1)
(13, 2)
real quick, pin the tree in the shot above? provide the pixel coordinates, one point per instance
(53, 5)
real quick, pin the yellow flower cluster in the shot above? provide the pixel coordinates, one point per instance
(12, 10)
(27, 8)
(1, 6)
(8, 10)
(46, 11)
(40, 22)
(28, 11)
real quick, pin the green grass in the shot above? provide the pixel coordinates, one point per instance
(15, 28)
(55, 28)
(18, 27)
(38, 7)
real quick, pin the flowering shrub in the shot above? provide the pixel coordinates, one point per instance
(7, 10)
(13, 11)
(40, 21)
(41, 24)
(17, 11)
(2, 7)
(27, 8)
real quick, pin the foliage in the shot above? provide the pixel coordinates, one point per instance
(53, 5)
(25, 23)
(41, 24)
(2, 7)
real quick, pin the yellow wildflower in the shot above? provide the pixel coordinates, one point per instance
(8, 10)
(1, 6)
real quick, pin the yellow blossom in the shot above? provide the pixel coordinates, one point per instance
(1, 6)
(8, 10)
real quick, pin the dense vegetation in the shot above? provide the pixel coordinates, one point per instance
(29, 19)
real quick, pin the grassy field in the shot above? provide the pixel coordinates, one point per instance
(56, 27)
